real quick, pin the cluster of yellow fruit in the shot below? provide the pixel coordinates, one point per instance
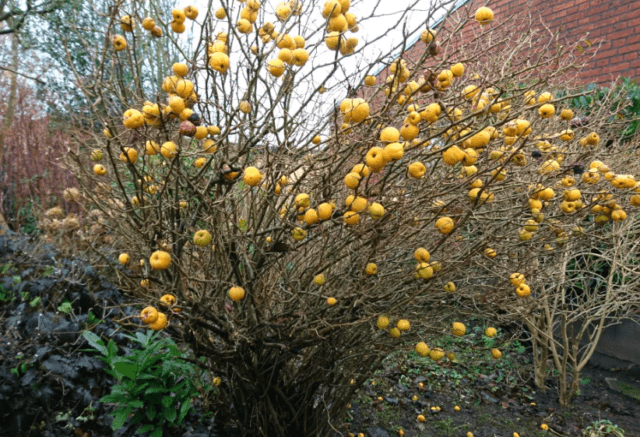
(155, 319)
(518, 280)
(149, 24)
(218, 53)
(310, 216)
(339, 21)
(180, 15)
(402, 325)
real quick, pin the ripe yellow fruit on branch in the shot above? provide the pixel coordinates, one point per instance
(325, 210)
(331, 301)
(375, 159)
(523, 290)
(124, 259)
(417, 170)
(352, 180)
(219, 62)
(453, 155)
(130, 155)
(484, 15)
(169, 149)
(299, 234)
(516, 279)
(252, 176)
(160, 260)
(547, 110)
(302, 200)
(119, 43)
(376, 211)
(351, 218)
(236, 293)
(383, 322)
(202, 238)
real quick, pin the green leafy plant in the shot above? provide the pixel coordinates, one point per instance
(155, 383)
(65, 307)
(603, 428)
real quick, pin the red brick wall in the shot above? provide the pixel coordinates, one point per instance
(611, 25)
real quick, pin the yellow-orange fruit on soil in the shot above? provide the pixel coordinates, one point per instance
(458, 329)
(319, 280)
(371, 269)
(424, 270)
(422, 349)
(445, 225)
(490, 332)
(168, 299)
(124, 258)
(331, 301)
(160, 323)
(436, 354)
(403, 325)
(236, 294)
(149, 315)
(422, 255)
(160, 260)
(383, 322)
(495, 353)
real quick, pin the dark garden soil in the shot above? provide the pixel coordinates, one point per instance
(50, 384)
(491, 405)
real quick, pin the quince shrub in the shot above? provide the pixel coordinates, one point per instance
(314, 201)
